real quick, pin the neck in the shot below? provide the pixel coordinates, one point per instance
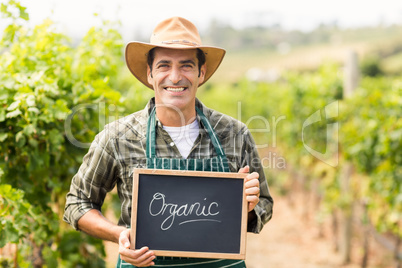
(171, 117)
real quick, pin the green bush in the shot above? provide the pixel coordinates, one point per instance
(371, 66)
(44, 79)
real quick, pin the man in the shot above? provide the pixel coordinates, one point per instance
(173, 125)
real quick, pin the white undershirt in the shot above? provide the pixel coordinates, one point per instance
(184, 137)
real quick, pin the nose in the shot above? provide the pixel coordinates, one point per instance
(175, 75)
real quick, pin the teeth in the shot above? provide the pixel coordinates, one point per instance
(175, 89)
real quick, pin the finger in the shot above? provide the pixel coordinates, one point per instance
(132, 254)
(245, 169)
(148, 262)
(142, 256)
(145, 260)
(136, 254)
(252, 202)
(252, 199)
(251, 207)
(253, 191)
(252, 176)
(124, 238)
(252, 183)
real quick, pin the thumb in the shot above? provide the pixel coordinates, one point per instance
(125, 238)
(245, 169)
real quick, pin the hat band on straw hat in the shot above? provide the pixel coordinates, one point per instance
(182, 42)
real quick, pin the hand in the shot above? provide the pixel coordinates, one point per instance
(252, 186)
(141, 258)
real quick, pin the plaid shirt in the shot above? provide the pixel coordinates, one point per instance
(121, 147)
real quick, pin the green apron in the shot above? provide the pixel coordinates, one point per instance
(218, 164)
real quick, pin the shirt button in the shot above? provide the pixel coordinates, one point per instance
(171, 144)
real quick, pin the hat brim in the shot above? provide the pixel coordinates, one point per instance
(137, 53)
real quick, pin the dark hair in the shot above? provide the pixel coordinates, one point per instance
(200, 57)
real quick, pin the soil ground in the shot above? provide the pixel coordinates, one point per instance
(291, 239)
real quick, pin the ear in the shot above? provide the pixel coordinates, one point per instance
(203, 71)
(149, 75)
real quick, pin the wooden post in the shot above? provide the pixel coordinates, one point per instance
(351, 81)
(335, 230)
(16, 256)
(366, 235)
(346, 214)
(398, 260)
(352, 74)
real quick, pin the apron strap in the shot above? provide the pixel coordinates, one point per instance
(151, 136)
(212, 135)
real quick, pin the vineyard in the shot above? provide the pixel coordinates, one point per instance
(355, 168)
(345, 149)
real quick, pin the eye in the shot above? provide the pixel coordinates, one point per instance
(187, 66)
(162, 66)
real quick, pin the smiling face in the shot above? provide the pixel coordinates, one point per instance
(175, 78)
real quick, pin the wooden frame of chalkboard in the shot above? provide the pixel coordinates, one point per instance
(189, 213)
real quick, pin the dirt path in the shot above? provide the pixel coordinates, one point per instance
(286, 241)
(293, 239)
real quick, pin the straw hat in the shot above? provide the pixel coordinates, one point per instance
(175, 33)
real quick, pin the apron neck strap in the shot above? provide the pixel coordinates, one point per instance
(212, 135)
(151, 134)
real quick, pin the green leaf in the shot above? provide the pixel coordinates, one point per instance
(2, 115)
(13, 114)
(62, 110)
(4, 95)
(34, 143)
(3, 136)
(11, 233)
(30, 100)
(29, 129)
(23, 14)
(20, 139)
(3, 237)
(33, 109)
(396, 135)
(3, 9)
(14, 105)
(4, 189)
(55, 137)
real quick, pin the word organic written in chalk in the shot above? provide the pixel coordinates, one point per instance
(195, 212)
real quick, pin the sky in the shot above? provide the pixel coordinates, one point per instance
(75, 17)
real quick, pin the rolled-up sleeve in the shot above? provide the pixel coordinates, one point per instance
(95, 177)
(263, 209)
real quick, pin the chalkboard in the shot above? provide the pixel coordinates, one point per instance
(189, 213)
